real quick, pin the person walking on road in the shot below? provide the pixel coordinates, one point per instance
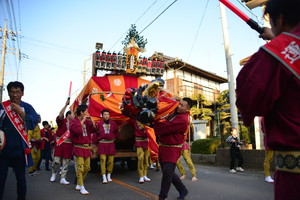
(63, 146)
(171, 134)
(81, 128)
(187, 157)
(268, 86)
(105, 138)
(235, 151)
(16, 118)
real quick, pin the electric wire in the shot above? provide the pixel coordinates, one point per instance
(158, 16)
(257, 17)
(200, 24)
(134, 23)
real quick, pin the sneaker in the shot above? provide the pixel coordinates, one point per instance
(31, 173)
(146, 179)
(182, 177)
(64, 181)
(141, 180)
(269, 179)
(78, 187)
(239, 169)
(194, 179)
(232, 171)
(83, 191)
(36, 172)
(53, 177)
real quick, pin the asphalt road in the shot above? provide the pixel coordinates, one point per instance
(215, 183)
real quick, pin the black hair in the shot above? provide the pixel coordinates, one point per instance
(45, 123)
(81, 108)
(289, 9)
(15, 84)
(68, 113)
(104, 110)
(189, 101)
(232, 128)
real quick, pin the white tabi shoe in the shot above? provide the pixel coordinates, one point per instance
(232, 171)
(109, 178)
(182, 177)
(146, 179)
(64, 181)
(194, 179)
(78, 187)
(269, 179)
(141, 180)
(53, 177)
(104, 179)
(83, 191)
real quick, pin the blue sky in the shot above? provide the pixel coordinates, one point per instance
(59, 35)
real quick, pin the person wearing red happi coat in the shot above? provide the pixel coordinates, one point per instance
(171, 134)
(142, 150)
(107, 133)
(46, 142)
(269, 86)
(81, 128)
(63, 149)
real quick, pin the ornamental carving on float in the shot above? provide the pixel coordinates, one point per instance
(132, 50)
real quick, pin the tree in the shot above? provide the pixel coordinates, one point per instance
(224, 117)
(199, 111)
(133, 33)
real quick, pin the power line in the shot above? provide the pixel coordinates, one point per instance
(52, 44)
(198, 30)
(134, 23)
(158, 16)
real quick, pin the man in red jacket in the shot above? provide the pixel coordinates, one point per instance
(107, 133)
(171, 134)
(81, 128)
(269, 86)
(63, 146)
(46, 142)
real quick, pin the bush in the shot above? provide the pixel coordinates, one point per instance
(205, 146)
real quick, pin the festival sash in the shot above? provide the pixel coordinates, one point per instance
(286, 48)
(16, 120)
(63, 138)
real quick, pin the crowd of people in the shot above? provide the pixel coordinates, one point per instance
(267, 86)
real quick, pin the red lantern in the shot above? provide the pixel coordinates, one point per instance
(103, 60)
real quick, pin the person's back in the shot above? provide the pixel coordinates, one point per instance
(269, 85)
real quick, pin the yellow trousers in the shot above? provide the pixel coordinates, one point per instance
(36, 154)
(82, 168)
(143, 160)
(268, 159)
(106, 163)
(188, 160)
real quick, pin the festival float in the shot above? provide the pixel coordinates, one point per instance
(128, 97)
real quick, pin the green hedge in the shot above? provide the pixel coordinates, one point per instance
(206, 146)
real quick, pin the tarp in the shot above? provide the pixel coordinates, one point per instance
(106, 93)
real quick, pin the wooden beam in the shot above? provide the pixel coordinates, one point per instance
(255, 3)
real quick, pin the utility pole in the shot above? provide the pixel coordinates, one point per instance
(3, 60)
(85, 68)
(230, 77)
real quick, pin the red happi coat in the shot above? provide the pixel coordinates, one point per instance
(107, 132)
(140, 133)
(171, 132)
(81, 136)
(44, 141)
(268, 87)
(65, 149)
